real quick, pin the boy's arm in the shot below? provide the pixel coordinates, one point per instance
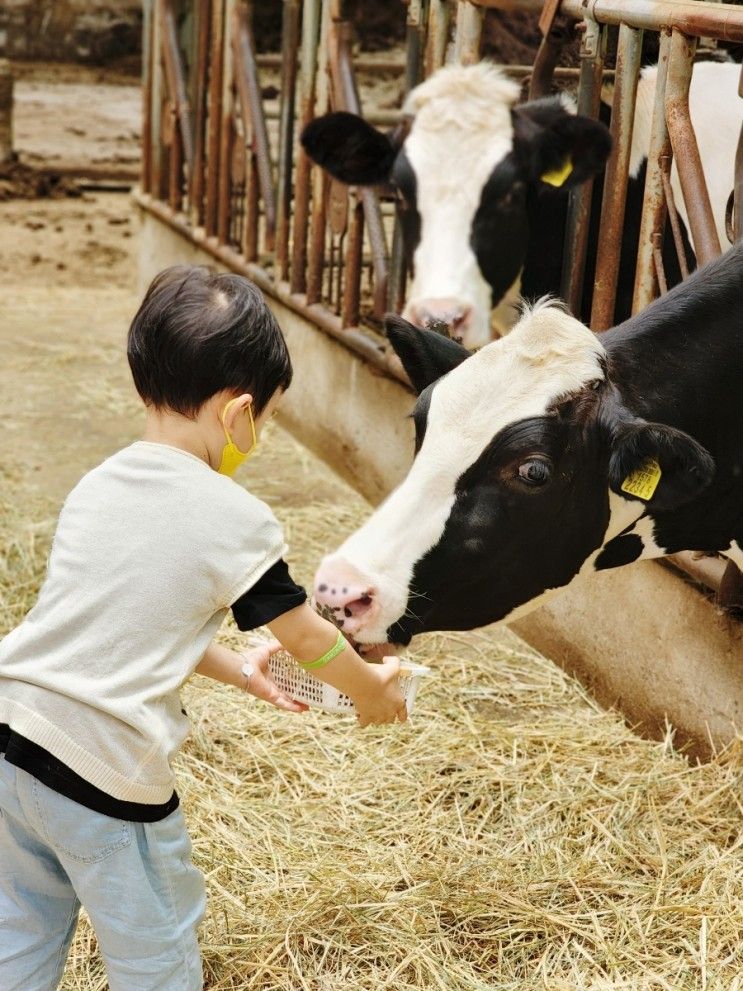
(372, 687)
(225, 665)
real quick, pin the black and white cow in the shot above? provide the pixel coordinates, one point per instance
(476, 175)
(553, 453)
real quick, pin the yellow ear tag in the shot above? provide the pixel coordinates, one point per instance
(643, 482)
(556, 177)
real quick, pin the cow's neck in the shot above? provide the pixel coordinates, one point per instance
(680, 361)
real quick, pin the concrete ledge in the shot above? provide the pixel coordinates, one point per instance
(641, 638)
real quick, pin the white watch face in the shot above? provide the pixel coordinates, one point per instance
(247, 669)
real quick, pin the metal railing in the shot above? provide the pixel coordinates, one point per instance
(222, 163)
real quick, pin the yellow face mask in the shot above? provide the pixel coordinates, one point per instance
(232, 456)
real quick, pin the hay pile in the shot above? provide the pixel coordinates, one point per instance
(511, 836)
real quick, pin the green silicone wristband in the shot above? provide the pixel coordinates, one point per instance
(339, 645)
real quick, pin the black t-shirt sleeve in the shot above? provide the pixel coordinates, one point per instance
(272, 595)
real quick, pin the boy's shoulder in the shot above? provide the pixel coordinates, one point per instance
(146, 472)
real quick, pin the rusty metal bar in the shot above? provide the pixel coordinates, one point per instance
(648, 273)
(214, 121)
(289, 46)
(302, 168)
(176, 80)
(320, 181)
(415, 40)
(251, 111)
(252, 210)
(686, 151)
(227, 129)
(439, 21)
(692, 17)
(659, 268)
(203, 13)
(548, 53)
(673, 216)
(354, 252)
(147, 97)
(615, 181)
(592, 54)
(157, 179)
(346, 97)
(468, 33)
(545, 63)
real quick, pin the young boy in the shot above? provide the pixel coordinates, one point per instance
(151, 549)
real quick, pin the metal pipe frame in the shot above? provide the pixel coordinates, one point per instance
(251, 110)
(686, 151)
(648, 272)
(615, 181)
(592, 54)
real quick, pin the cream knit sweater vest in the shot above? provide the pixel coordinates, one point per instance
(151, 549)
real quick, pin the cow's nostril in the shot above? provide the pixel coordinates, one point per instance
(357, 607)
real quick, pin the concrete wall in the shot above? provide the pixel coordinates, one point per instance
(70, 30)
(642, 638)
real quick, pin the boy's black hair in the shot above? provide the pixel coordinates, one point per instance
(198, 332)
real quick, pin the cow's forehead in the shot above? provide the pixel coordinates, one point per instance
(547, 355)
(462, 113)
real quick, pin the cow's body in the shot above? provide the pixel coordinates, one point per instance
(475, 173)
(522, 452)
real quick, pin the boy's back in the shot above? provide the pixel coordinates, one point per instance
(151, 549)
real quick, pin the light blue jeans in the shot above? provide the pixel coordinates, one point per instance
(136, 880)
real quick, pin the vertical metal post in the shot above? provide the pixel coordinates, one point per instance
(203, 25)
(226, 129)
(415, 42)
(146, 177)
(214, 123)
(686, 151)
(468, 33)
(320, 182)
(615, 182)
(289, 44)
(592, 53)
(157, 180)
(302, 172)
(654, 200)
(439, 20)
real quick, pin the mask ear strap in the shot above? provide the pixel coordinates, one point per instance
(223, 417)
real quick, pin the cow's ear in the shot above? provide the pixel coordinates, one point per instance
(557, 147)
(657, 464)
(349, 148)
(425, 355)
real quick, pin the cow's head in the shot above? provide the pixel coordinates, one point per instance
(467, 168)
(516, 487)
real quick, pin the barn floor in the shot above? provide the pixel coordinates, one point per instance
(512, 835)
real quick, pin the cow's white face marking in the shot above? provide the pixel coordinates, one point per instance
(462, 130)
(547, 355)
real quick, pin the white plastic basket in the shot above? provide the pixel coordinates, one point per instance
(304, 687)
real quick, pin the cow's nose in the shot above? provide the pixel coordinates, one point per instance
(449, 315)
(341, 588)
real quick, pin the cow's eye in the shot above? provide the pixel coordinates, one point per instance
(535, 471)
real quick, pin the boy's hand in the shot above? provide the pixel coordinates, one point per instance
(385, 704)
(261, 683)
